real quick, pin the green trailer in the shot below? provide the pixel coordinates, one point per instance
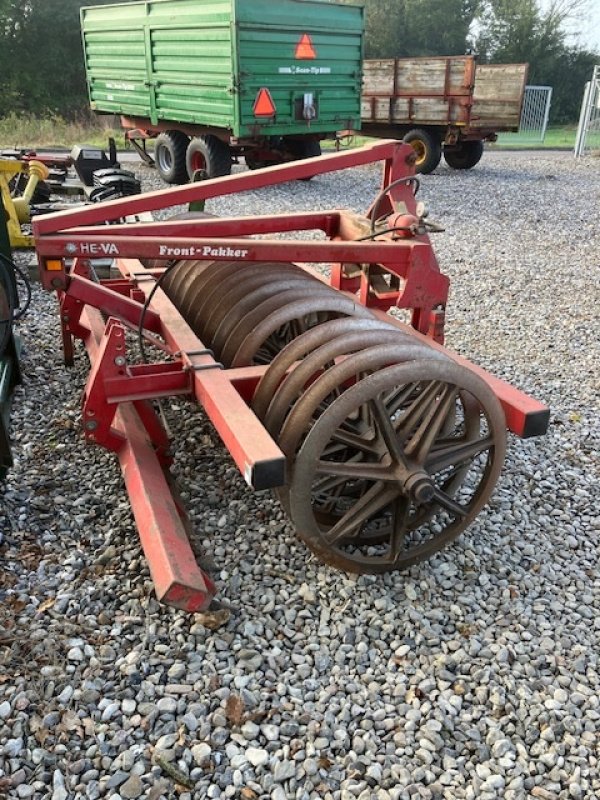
(214, 80)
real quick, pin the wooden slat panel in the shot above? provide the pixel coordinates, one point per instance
(400, 107)
(378, 76)
(498, 95)
(382, 109)
(365, 108)
(427, 76)
(430, 109)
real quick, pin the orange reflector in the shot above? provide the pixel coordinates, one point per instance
(304, 48)
(54, 266)
(264, 105)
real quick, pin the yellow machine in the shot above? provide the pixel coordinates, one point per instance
(17, 208)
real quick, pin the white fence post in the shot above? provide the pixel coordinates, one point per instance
(588, 130)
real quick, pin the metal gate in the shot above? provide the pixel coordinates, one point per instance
(588, 131)
(534, 116)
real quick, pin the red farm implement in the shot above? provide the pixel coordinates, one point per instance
(381, 444)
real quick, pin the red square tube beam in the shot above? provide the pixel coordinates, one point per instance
(398, 155)
(257, 456)
(177, 578)
(525, 416)
(326, 221)
(74, 245)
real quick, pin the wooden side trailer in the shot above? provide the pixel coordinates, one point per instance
(447, 104)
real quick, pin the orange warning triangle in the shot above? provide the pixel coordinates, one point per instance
(304, 48)
(264, 105)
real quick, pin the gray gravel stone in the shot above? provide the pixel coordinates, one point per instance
(132, 788)
(201, 754)
(257, 756)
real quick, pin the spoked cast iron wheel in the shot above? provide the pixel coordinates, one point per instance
(397, 466)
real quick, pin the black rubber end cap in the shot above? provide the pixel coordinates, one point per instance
(536, 424)
(268, 474)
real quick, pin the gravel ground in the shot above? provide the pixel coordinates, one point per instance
(473, 675)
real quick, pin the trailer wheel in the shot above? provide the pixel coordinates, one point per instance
(210, 154)
(304, 148)
(428, 148)
(254, 163)
(169, 155)
(465, 156)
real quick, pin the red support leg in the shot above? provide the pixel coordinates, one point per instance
(178, 579)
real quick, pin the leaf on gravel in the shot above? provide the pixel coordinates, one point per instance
(213, 620)
(35, 723)
(46, 605)
(234, 710)
(69, 722)
(88, 726)
(15, 605)
(248, 794)
(42, 735)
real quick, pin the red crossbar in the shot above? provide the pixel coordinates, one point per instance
(218, 187)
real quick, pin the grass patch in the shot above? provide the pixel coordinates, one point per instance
(25, 131)
(559, 136)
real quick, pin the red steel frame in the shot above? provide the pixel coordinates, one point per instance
(117, 407)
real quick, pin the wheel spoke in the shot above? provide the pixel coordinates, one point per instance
(457, 453)
(398, 397)
(355, 441)
(420, 405)
(375, 499)
(401, 513)
(433, 419)
(354, 471)
(387, 429)
(451, 505)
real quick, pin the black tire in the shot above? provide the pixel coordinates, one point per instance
(42, 193)
(465, 156)
(428, 148)
(304, 148)
(254, 163)
(210, 154)
(169, 156)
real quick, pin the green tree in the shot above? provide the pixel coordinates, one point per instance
(41, 58)
(398, 28)
(438, 27)
(524, 31)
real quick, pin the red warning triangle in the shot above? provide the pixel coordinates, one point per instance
(304, 48)
(264, 105)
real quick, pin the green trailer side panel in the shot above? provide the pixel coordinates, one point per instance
(203, 62)
(333, 78)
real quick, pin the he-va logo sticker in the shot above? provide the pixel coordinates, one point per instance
(93, 248)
